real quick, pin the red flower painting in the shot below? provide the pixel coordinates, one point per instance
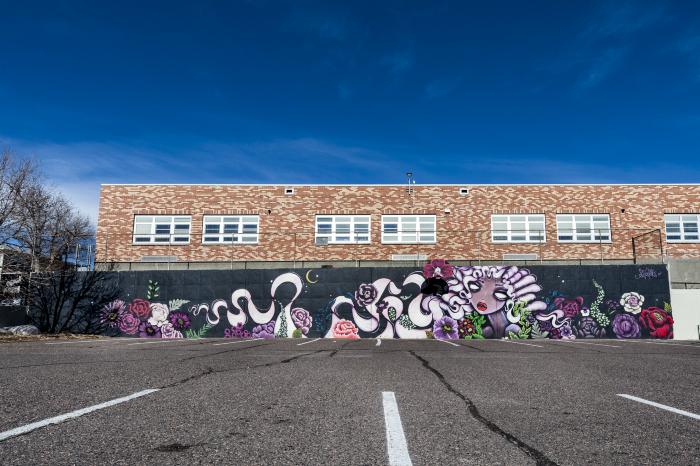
(658, 322)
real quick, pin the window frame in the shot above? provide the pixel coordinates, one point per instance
(239, 234)
(591, 223)
(681, 228)
(400, 230)
(526, 231)
(154, 236)
(334, 234)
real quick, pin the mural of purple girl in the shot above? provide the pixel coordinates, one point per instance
(490, 291)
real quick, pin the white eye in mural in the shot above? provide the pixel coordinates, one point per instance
(474, 286)
(500, 294)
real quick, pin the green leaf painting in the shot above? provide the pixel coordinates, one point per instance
(153, 290)
(176, 304)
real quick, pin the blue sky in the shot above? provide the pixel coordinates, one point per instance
(356, 92)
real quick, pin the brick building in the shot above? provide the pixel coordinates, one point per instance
(204, 225)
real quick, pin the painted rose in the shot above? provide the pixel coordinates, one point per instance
(345, 329)
(445, 328)
(266, 331)
(366, 294)
(571, 307)
(147, 330)
(438, 268)
(657, 322)
(129, 324)
(588, 328)
(140, 308)
(625, 326)
(301, 319)
(632, 302)
(180, 321)
(167, 330)
(159, 314)
(112, 313)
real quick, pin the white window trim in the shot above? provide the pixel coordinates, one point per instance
(590, 225)
(418, 231)
(220, 236)
(509, 232)
(682, 228)
(334, 234)
(152, 236)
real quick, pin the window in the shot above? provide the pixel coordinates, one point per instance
(339, 229)
(463, 191)
(580, 228)
(230, 229)
(408, 229)
(288, 191)
(166, 229)
(682, 227)
(516, 228)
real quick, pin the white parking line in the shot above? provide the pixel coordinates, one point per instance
(395, 438)
(96, 340)
(672, 344)
(234, 342)
(656, 343)
(379, 342)
(659, 405)
(307, 342)
(160, 340)
(520, 343)
(73, 414)
(448, 342)
(587, 343)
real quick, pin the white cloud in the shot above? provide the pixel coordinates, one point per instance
(78, 168)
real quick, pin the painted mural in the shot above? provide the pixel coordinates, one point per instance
(473, 302)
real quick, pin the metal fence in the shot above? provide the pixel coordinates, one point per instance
(295, 248)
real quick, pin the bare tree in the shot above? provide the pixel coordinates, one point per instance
(69, 300)
(15, 177)
(40, 230)
(50, 228)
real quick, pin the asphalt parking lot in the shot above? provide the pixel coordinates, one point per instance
(350, 402)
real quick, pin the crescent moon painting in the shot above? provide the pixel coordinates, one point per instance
(308, 277)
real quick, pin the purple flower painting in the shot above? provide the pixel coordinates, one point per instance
(266, 331)
(147, 330)
(302, 319)
(626, 326)
(179, 320)
(445, 328)
(237, 331)
(112, 313)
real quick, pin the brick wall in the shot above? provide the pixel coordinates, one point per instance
(287, 221)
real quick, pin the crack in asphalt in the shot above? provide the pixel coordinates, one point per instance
(335, 351)
(211, 370)
(232, 350)
(539, 457)
(472, 347)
